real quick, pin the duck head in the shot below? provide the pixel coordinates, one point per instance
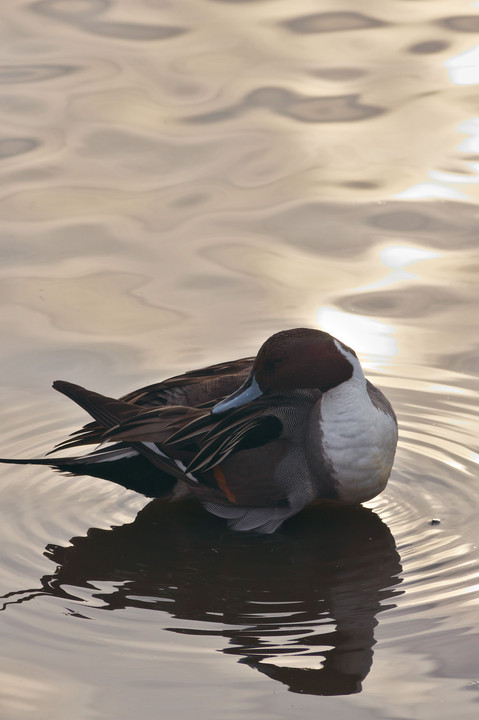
(301, 358)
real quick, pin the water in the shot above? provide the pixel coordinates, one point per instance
(178, 182)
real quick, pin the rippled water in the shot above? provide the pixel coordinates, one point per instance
(179, 180)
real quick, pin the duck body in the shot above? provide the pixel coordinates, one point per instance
(255, 440)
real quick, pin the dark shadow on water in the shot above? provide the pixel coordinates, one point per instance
(299, 606)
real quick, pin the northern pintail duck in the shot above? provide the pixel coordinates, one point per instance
(255, 440)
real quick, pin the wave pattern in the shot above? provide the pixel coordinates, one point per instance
(300, 606)
(180, 180)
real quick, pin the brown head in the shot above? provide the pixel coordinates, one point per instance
(291, 360)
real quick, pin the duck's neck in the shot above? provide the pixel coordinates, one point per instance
(357, 440)
(355, 386)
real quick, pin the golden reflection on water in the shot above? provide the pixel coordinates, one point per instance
(375, 339)
(178, 182)
(463, 71)
(372, 338)
(464, 68)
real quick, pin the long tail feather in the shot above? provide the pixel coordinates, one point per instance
(35, 461)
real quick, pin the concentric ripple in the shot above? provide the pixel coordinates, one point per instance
(300, 606)
(431, 504)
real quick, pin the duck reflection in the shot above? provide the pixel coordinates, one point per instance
(299, 606)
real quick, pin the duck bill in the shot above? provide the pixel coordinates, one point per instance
(248, 391)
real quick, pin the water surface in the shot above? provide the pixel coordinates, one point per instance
(178, 182)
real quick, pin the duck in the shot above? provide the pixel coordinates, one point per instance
(254, 440)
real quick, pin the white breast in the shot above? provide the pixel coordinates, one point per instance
(358, 440)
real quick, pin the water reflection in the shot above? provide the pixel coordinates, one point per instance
(19, 74)
(327, 22)
(373, 338)
(464, 68)
(331, 109)
(81, 14)
(299, 606)
(179, 181)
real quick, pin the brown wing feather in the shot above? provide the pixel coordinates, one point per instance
(177, 429)
(153, 426)
(218, 436)
(215, 436)
(195, 388)
(111, 412)
(251, 432)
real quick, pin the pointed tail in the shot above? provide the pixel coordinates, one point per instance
(36, 461)
(105, 410)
